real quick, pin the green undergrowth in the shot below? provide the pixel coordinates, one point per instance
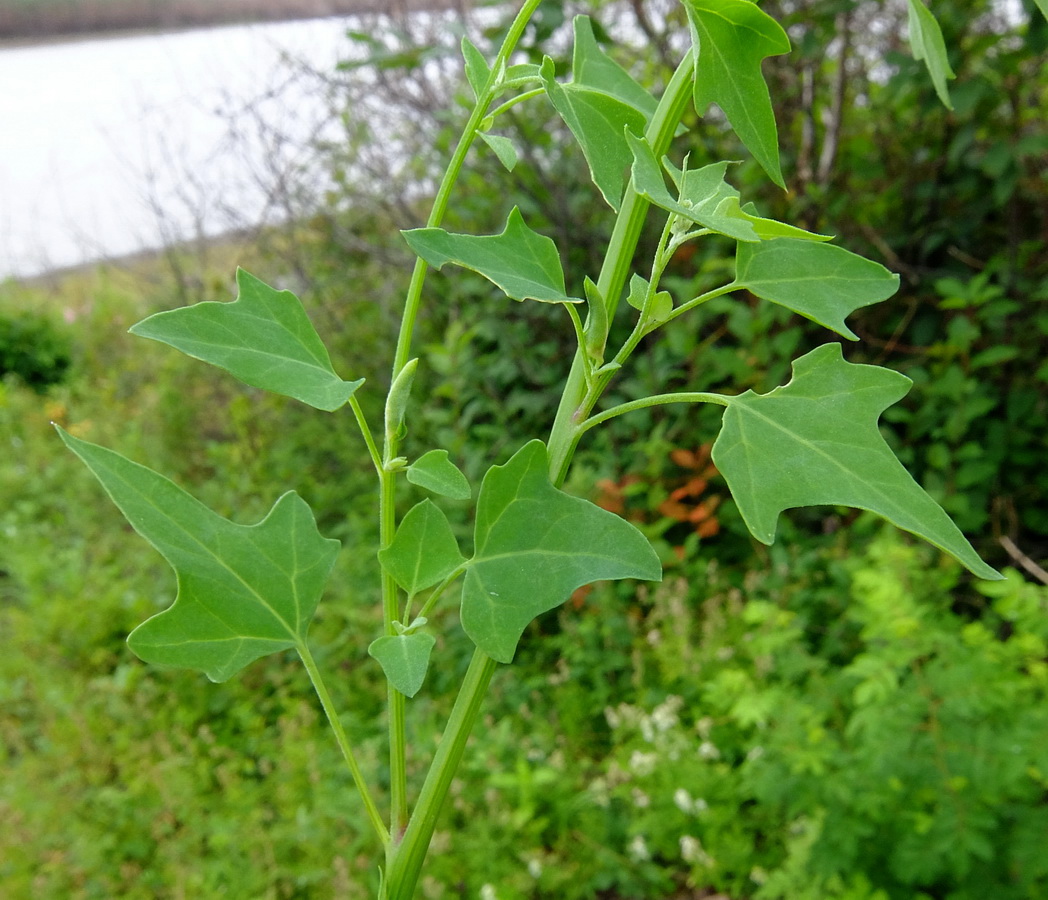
(845, 716)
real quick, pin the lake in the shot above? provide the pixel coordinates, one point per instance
(111, 146)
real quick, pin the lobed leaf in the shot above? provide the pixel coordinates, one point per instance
(816, 441)
(927, 44)
(264, 338)
(404, 659)
(423, 551)
(523, 263)
(243, 591)
(731, 38)
(435, 472)
(535, 545)
(822, 282)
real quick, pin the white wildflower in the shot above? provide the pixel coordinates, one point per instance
(643, 763)
(534, 868)
(487, 892)
(755, 753)
(638, 849)
(640, 799)
(682, 800)
(707, 750)
(664, 716)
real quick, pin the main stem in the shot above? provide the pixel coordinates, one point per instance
(404, 861)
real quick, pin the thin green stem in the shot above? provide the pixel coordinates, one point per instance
(657, 400)
(513, 101)
(580, 336)
(365, 430)
(432, 599)
(343, 741)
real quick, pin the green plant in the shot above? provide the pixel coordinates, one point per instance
(248, 591)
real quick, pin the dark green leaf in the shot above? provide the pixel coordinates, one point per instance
(435, 472)
(264, 338)
(404, 659)
(927, 44)
(535, 545)
(522, 262)
(243, 591)
(731, 38)
(820, 281)
(816, 441)
(424, 550)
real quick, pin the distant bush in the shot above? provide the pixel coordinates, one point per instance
(34, 349)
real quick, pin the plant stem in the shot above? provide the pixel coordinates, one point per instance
(404, 860)
(343, 741)
(576, 401)
(657, 400)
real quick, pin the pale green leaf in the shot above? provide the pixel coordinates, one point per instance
(599, 122)
(523, 263)
(535, 545)
(243, 591)
(820, 281)
(927, 44)
(477, 68)
(656, 307)
(264, 338)
(593, 69)
(1042, 5)
(705, 198)
(404, 659)
(424, 550)
(815, 441)
(435, 472)
(731, 39)
(503, 148)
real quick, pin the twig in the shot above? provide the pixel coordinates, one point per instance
(1023, 560)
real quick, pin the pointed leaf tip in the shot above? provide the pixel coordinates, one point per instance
(243, 591)
(815, 441)
(264, 338)
(535, 545)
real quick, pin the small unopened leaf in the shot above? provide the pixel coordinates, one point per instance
(820, 281)
(435, 472)
(477, 68)
(404, 659)
(264, 338)
(927, 44)
(522, 262)
(815, 441)
(503, 148)
(535, 545)
(656, 308)
(424, 549)
(731, 39)
(244, 591)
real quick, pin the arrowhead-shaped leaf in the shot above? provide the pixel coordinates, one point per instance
(404, 659)
(927, 44)
(264, 338)
(815, 441)
(705, 198)
(731, 38)
(424, 549)
(820, 281)
(435, 472)
(593, 69)
(522, 262)
(243, 591)
(535, 545)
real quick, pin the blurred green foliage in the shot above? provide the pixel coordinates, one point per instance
(844, 716)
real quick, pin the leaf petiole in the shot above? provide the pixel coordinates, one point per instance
(647, 402)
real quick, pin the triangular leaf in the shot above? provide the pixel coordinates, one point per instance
(820, 281)
(404, 659)
(731, 38)
(927, 44)
(264, 338)
(524, 263)
(598, 120)
(535, 545)
(424, 549)
(243, 591)
(1042, 5)
(815, 441)
(435, 472)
